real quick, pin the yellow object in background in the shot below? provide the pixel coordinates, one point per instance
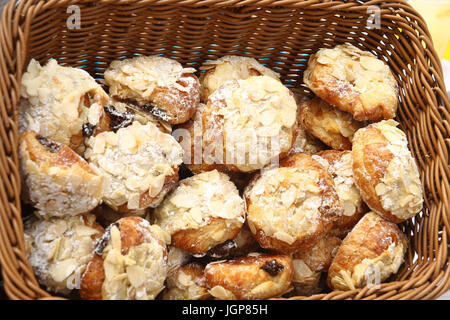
(437, 16)
(447, 52)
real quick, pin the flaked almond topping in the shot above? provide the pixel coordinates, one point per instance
(138, 77)
(258, 121)
(56, 102)
(136, 275)
(59, 250)
(134, 161)
(400, 187)
(301, 269)
(221, 293)
(61, 270)
(198, 199)
(360, 71)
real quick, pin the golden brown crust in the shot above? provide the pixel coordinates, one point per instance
(306, 242)
(247, 124)
(121, 114)
(319, 257)
(181, 108)
(332, 126)
(57, 102)
(292, 207)
(250, 277)
(43, 150)
(341, 170)
(228, 68)
(353, 80)
(55, 179)
(139, 165)
(304, 142)
(146, 200)
(370, 160)
(243, 244)
(92, 282)
(370, 253)
(202, 212)
(190, 137)
(140, 240)
(186, 283)
(157, 85)
(385, 172)
(310, 264)
(200, 240)
(195, 159)
(93, 278)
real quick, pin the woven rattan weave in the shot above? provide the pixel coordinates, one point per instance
(279, 33)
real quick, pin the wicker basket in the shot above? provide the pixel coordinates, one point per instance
(281, 34)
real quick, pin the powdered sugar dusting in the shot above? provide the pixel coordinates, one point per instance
(198, 199)
(135, 160)
(60, 249)
(54, 101)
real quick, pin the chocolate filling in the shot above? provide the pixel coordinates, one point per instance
(49, 144)
(118, 119)
(222, 250)
(272, 267)
(87, 129)
(103, 241)
(157, 112)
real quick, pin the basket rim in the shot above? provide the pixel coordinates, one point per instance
(432, 278)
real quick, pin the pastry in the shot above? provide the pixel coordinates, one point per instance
(385, 172)
(248, 124)
(305, 143)
(203, 211)
(59, 249)
(55, 179)
(190, 137)
(292, 207)
(354, 81)
(371, 252)
(319, 257)
(227, 68)
(60, 103)
(310, 264)
(340, 166)
(139, 165)
(243, 244)
(119, 115)
(129, 262)
(332, 126)
(253, 277)
(158, 85)
(186, 283)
